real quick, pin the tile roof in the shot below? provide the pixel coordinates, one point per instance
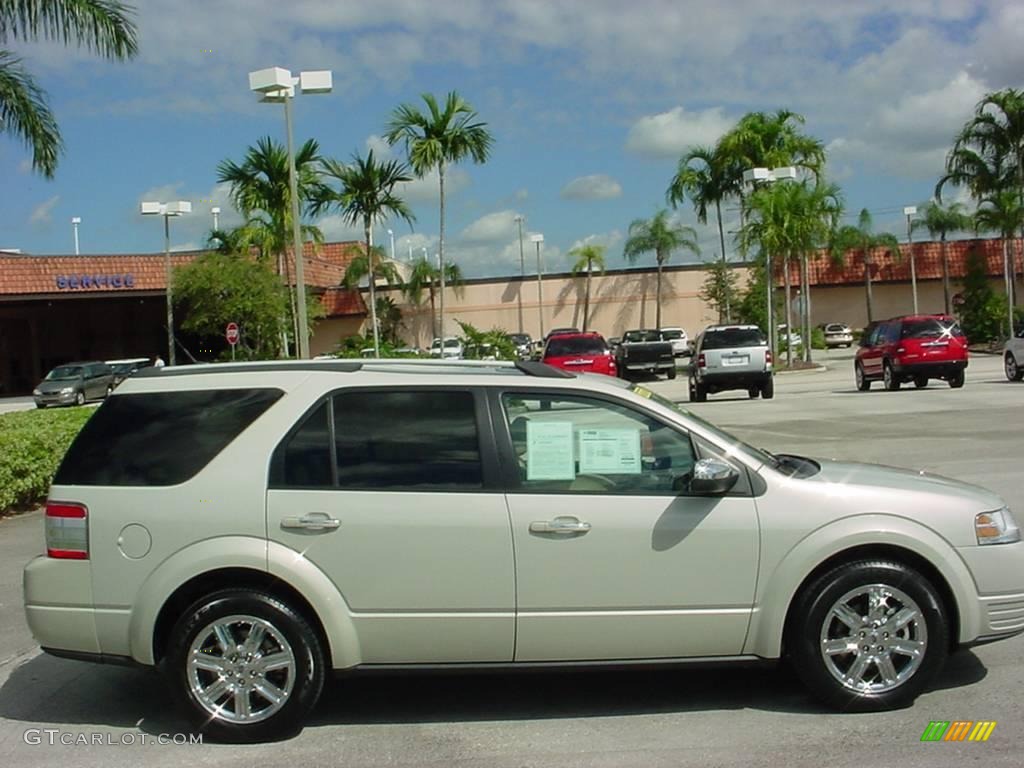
(885, 268)
(342, 302)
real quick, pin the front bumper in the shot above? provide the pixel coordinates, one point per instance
(54, 398)
(998, 573)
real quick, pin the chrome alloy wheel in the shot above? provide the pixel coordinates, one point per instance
(873, 639)
(241, 669)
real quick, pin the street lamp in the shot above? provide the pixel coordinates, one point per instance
(538, 239)
(277, 85)
(75, 221)
(522, 271)
(216, 218)
(751, 178)
(909, 212)
(167, 210)
(391, 234)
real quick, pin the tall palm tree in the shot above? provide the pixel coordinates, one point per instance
(862, 237)
(662, 237)
(383, 269)
(260, 191)
(366, 195)
(587, 258)
(103, 27)
(940, 220)
(705, 174)
(762, 139)
(1003, 213)
(436, 138)
(426, 276)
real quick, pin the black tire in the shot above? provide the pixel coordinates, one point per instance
(287, 630)
(1013, 371)
(812, 622)
(768, 388)
(889, 377)
(920, 382)
(753, 393)
(40, 405)
(79, 397)
(863, 382)
(697, 393)
(957, 379)
(672, 372)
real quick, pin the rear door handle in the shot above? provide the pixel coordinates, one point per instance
(560, 525)
(314, 521)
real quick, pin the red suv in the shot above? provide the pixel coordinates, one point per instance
(912, 348)
(580, 352)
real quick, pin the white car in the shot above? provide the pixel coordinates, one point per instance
(452, 348)
(787, 339)
(249, 528)
(837, 335)
(1013, 356)
(678, 339)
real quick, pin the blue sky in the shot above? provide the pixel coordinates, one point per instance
(591, 102)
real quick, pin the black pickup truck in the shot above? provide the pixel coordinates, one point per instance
(643, 351)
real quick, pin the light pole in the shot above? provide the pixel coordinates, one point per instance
(167, 210)
(909, 212)
(522, 271)
(276, 85)
(538, 239)
(391, 234)
(751, 178)
(216, 218)
(75, 221)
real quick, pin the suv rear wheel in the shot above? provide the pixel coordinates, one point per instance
(868, 635)
(863, 382)
(957, 379)
(768, 388)
(697, 393)
(889, 377)
(244, 666)
(754, 392)
(920, 382)
(1013, 371)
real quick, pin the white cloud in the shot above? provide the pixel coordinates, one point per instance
(669, 134)
(427, 190)
(42, 214)
(381, 149)
(610, 240)
(929, 120)
(595, 187)
(335, 228)
(490, 228)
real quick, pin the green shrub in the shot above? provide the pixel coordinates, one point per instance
(32, 444)
(818, 338)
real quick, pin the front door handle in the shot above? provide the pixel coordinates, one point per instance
(560, 525)
(314, 521)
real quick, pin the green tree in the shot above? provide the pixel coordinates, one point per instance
(585, 259)
(479, 344)
(389, 316)
(662, 237)
(772, 140)
(862, 238)
(1002, 212)
(425, 276)
(982, 311)
(939, 221)
(721, 290)
(103, 27)
(366, 195)
(436, 138)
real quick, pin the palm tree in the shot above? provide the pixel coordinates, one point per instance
(101, 26)
(366, 196)
(1002, 212)
(704, 173)
(862, 238)
(261, 193)
(770, 140)
(662, 237)
(587, 257)
(437, 138)
(425, 275)
(940, 220)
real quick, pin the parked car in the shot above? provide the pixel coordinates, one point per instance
(524, 345)
(556, 331)
(122, 369)
(366, 515)
(1013, 356)
(452, 348)
(643, 351)
(74, 384)
(837, 335)
(678, 339)
(787, 339)
(731, 357)
(580, 352)
(911, 348)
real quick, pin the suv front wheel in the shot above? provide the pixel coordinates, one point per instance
(244, 666)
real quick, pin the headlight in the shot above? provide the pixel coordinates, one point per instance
(996, 527)
(67, 390)
(36, 392)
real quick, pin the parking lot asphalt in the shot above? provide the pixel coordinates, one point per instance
(734, 717)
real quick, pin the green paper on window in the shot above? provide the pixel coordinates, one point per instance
(549, 451)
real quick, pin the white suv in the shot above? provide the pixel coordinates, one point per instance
(1013, 356)
(247, 528)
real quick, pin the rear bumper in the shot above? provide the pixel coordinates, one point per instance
(733, 379)
(937, 370)
(650, 365)
(59, 604)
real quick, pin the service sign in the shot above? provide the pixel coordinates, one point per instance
(106, 282)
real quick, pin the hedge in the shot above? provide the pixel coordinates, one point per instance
(32, 444)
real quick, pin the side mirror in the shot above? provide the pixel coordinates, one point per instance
(713, 477)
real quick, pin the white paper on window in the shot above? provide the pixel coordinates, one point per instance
(610, 451)
(549, 451)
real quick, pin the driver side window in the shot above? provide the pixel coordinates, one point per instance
(570, 444)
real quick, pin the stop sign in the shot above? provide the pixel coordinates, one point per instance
(231, 333)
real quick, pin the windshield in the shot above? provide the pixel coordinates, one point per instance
(576, 345)
(732, 443)
(64, 372)
(733, 337)
(670, 335)
(451, 342)
(932, 328)
(640, 336)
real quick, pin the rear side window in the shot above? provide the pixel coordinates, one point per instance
(160, 438)
(733, 337)
(579, 345)
(932, 328)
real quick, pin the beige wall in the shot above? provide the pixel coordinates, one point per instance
(329, 333)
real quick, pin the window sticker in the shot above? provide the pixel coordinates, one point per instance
(549, 451)
(610, 451)
(642, 391)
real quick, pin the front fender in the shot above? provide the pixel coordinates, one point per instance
(778, 588)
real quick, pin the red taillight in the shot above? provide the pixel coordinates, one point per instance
(768, 356)
(701, 362)
(67, 530)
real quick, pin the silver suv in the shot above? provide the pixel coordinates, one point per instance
(249, 528)
(731, 357)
